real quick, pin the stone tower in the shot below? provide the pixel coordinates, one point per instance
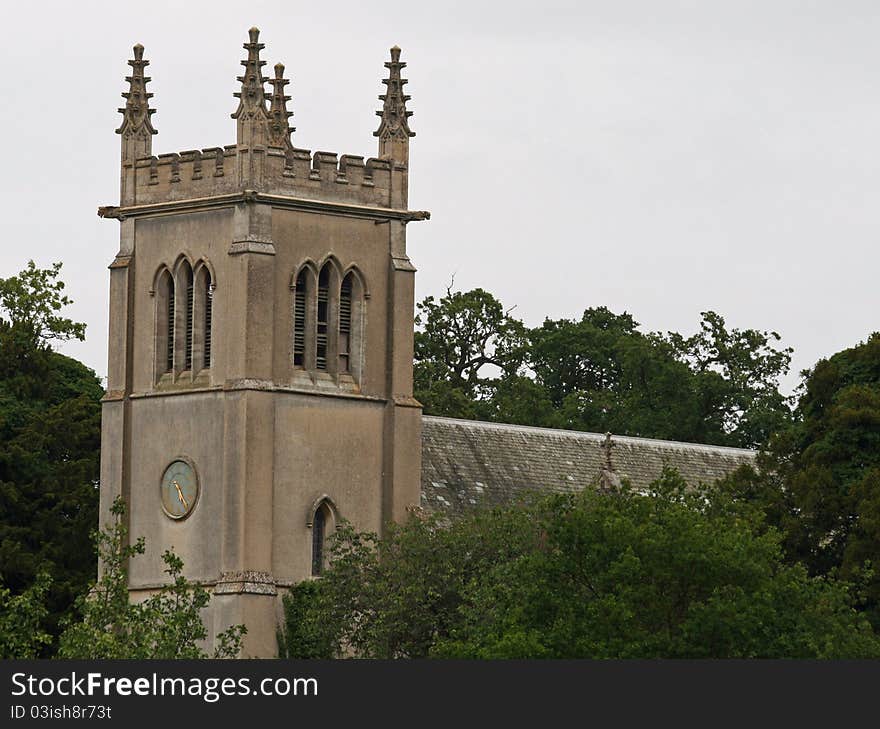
(261, 343)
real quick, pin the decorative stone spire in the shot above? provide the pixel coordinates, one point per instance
(137, 130)
(609, 480)
(251, 114)
(394, 131)
(279, 129)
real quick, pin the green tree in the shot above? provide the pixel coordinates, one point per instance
(21, 617)
(671, 573)
(394, 597)
(599, 373)
(737, 374)
(166, 625)
(602, 374)
(820, 478)
(31, 302)
(300, 636)
(463, 343)
(49, 445)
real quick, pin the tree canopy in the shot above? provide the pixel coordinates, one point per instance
(50, 424)
(166, 625)
(674, 573)
(599, 373)
(30, 302)
(819, 481)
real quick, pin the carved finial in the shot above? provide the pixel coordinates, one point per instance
(136, 112)
(279, 129)
(607, 445)
(252, 97)
(609, 480)
(394, 131)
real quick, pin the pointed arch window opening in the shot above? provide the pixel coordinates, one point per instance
(169, 334)
(345, 330)
(328, 322)
(190, 300)
(185, 318)
(209, 316)
(323, 317)
(299, 319)
(319, 528)
(203, 318)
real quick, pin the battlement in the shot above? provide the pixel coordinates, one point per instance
(264, 158)
(295, 173)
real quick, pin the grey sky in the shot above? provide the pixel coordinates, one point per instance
(662, 158)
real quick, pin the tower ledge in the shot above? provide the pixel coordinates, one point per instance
(315, 205)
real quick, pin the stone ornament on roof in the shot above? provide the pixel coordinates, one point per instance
(279, 129)
(609, 480)
(394, 131)
(137, 129)
(137, 112)
(252, 97)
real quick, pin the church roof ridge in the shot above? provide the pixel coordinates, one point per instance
(590, 436)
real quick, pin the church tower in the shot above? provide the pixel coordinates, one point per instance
(261, 341)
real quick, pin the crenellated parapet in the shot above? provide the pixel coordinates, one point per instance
(295, 173)
(264, 158)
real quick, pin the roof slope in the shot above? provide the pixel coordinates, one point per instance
(466, 462)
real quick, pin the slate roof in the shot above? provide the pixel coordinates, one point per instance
(466, 462)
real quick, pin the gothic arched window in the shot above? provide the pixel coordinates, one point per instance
(319, 527)
(184, 320)
(322, 522)
(328, 316)
(300, 291)
(165, 323)
(209, 318)
(323, 317)
(351, 323)
(189, 292)
(344, 344)
(202, 319)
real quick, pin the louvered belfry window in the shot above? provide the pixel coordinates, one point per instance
(345, 325)
(328, 315)
(189, 318)
(318, 527)
(323, 316)
(209, 315)
(299, 320)
(169, 341)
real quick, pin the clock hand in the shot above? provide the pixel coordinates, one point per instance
(180, 494)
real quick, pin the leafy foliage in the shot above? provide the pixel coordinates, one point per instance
(301, 637)
(599, 373)
(737, 374)
(165, 625)
(466, 338)
(21, 616)
(820, 481)
(671, 573)
(50, 423)
(31, 302)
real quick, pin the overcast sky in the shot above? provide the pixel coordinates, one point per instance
(657, 157)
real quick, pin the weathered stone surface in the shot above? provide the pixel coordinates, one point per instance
(231, 261)
(468, 463)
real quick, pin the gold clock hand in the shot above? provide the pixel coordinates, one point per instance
(180, 494)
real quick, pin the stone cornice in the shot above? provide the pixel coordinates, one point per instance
(247, 385)
(349, 210)
(246, 581)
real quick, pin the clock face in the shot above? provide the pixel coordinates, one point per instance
(179, 489)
